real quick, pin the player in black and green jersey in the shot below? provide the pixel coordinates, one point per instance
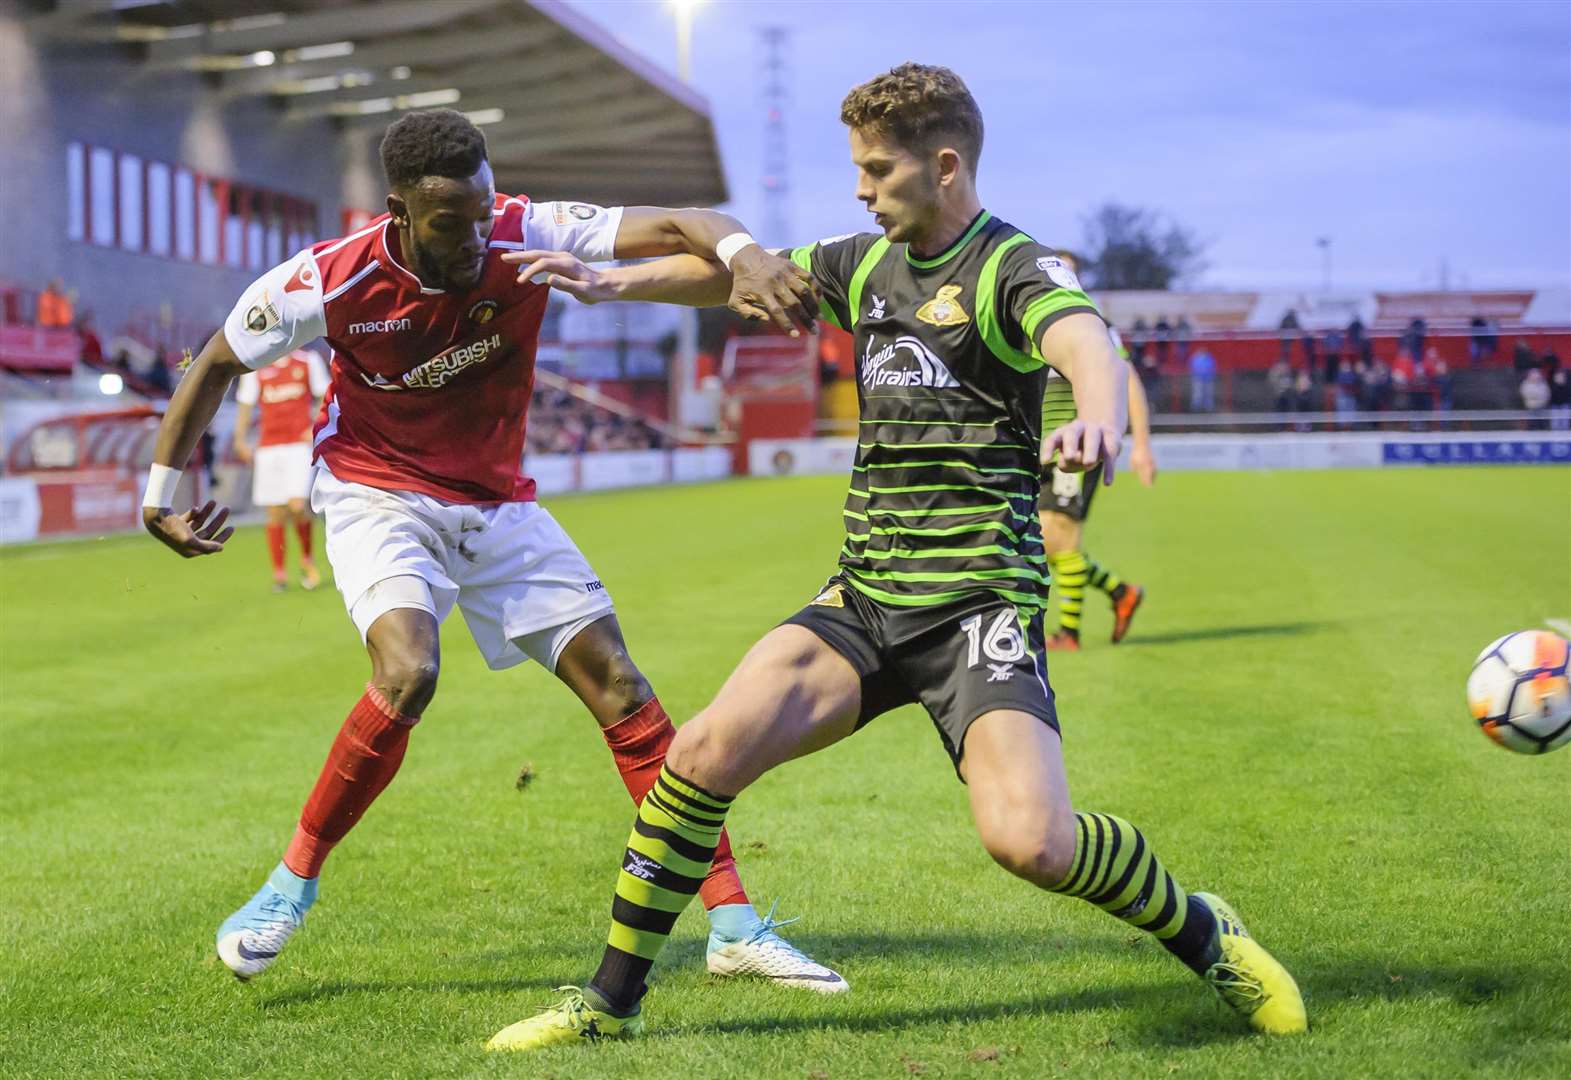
(1066, 499)
(939, 593)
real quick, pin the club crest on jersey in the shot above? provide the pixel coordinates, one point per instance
(831, 597)
(484, 311)
(262, 316)
(944, 309)
(905, 361)
(1058, 272)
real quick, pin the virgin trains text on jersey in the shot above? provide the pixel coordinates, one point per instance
(905, 361)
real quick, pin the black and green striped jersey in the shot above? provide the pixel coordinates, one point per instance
(942, 504)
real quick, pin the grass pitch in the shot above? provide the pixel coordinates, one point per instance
(1285, 722)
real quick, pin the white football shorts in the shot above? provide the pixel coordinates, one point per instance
(280, 473)
(522, 584)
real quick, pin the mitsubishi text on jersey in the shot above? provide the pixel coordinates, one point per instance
(430, 389)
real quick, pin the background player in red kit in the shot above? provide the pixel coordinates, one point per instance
(417, 475)
(285, 396)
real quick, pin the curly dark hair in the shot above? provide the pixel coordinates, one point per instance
(917, 105)
(436, 142)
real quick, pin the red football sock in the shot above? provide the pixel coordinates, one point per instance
(638, 742)
(303, 531)
(363, 760)
(275, 547)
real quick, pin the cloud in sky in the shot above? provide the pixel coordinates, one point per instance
(1409, 133)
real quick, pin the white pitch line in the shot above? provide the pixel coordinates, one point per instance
(1562, 625)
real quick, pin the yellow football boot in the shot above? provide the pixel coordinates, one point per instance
(572, 1019)
(1249, 979)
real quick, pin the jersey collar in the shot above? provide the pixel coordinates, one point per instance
(953, 249)
(389, 242)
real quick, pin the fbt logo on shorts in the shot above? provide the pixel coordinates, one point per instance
(379, 326)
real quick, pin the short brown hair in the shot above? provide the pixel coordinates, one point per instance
(915, 105)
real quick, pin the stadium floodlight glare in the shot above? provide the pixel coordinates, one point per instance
(486, 116)
(399, 72)
(429, 98)
(263, 58)
(110, 384)
(684, 36)
(325, 51)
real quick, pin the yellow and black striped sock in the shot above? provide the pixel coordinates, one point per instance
(1069, 577)
(668, 853)
(1102, 578)
(1115, 869)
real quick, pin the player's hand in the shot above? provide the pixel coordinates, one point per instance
(562, 271)
(243, 453)
(1084, 445)
(768, 287)
(1143, 463)
(199, 531)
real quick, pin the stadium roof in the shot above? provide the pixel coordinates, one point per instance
(568, 111)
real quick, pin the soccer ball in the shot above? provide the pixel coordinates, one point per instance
(1520, 694)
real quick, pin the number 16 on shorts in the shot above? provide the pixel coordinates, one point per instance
(1001, 645)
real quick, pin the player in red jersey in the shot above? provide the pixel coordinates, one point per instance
(284, 396)
(417, 474)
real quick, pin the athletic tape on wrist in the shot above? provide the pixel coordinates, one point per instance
(726, 249)
(161, 484)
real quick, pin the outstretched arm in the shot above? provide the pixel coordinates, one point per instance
(678, 279)
(191, 409)
(1078, 346)
(1141, 459)
(762, 285)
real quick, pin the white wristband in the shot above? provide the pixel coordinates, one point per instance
(161, 483)
(726, 249)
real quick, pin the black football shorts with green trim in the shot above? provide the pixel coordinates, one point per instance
(958, 660)
(1068, 493)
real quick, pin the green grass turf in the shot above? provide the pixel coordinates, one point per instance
(1286, 723)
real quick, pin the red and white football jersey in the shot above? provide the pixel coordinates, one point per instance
(285, 392)
(429, 389)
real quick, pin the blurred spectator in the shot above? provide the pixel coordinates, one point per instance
(1484, 341)
(55, 311)
(1289, 328)
(1163, 333)
(1303, 397)
(1281, 379)
(1376, 395)
(1308, 342)
(92, 348)
(1535, 390)
(1202, 381)
(1139, 337)
(1559, 380)
(560, 423)
(1522, 356)
(1348, 381)
(1331, 345)
(1413, 337)
(1184, 334)
(1440, 379)
(1402, 377)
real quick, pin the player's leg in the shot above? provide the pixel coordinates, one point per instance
(275, 546)
(792, 694)
(1061, 542)
(397, 593)
(1014, 770)
(596, 666)
(301, 518)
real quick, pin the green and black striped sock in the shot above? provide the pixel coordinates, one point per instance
(668, 853)
(1069, 578)
(1115, 869)
(1102, 578)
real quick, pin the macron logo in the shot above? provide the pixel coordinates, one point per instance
(379, 326)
